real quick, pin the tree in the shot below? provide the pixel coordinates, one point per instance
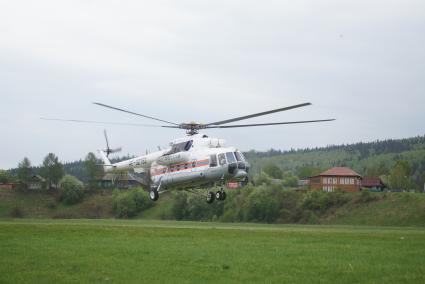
(71, 190)
(93, 171)
(24, 172)
(52, 170)
(400, 175)
(5, 177)
(273, 171)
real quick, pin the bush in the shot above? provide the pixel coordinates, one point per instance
(262, 178)
(16, 212)
(71, 190)
(320, 201)
(261, 206)
(125, 206)
(366, 196)
(128, 204)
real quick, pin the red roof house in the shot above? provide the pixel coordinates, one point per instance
(338, 178)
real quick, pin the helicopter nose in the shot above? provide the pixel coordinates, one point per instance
(241, 174)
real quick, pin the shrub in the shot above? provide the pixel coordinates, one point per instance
(128, 204)
(51, 205)
(141, 198)
(366, 196)
(320, 201)
(125, 206)
(261, 206)
(71, 190)
(262, 178)
(16, 212)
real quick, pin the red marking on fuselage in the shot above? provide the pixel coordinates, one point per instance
(181, 167)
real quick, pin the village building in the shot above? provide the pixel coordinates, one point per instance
(121, 181)
(36, 182)
(8, 186)
(373, 183)
(338, 178)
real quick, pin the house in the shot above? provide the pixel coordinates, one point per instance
(373, 183)
(121, 181)
(8, 186)
(36, 182)
(339, 178)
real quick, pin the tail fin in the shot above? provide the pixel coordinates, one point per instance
(106, 163)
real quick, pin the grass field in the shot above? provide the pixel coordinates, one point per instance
(52, 251)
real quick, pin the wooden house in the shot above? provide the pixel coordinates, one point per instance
(339, 178)
(373, 183)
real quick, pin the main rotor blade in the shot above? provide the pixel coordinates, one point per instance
(102, 122)
(106, 138)
(268, 124)
(257, 114)
(134, 113)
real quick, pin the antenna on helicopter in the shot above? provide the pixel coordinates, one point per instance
(109, 150)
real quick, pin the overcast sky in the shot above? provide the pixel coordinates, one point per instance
(361, 62)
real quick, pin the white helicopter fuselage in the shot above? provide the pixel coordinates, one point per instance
(194, 161)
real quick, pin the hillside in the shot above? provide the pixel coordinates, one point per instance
(372, 159)
(380, 209)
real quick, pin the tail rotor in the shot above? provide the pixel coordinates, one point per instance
(108, 150)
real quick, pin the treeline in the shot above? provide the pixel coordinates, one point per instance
(364, 149)
(385, 159)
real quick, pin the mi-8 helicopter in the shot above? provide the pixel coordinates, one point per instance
(192, 162)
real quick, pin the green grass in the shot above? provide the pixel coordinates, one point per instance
(391, 209)
(86, 251)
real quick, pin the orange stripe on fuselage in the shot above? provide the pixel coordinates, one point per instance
(199, 163)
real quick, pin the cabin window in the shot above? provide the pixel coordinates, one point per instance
(213, 161)
(222, 159)
(230, 157)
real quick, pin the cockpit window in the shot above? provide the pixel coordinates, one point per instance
(222, 159)
(230, 157)
(239, 157)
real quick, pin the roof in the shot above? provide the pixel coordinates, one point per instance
(111, 177)
(340, 171)
(38, 178)
(372, 182)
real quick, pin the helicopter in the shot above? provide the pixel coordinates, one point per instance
(193, 162)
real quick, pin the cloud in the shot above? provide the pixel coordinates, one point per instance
(358, 61)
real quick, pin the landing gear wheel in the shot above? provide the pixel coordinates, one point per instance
(223, 195)
(210, 197)
(154, 195)
(219, 195)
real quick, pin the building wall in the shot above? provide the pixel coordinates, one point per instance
(333, 183)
